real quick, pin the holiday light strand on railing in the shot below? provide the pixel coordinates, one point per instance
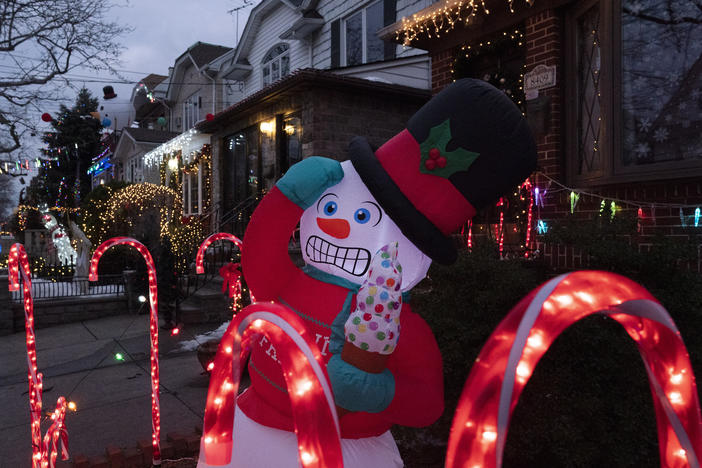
(153, 330)
(18, 266)
(507, 361)
(443, 18)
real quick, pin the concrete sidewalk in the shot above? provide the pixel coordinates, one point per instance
(112, 397)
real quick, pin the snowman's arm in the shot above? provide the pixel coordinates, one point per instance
(265, 260)
(418, 371)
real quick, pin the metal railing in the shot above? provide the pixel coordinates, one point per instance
(217, 255)
(235, 220)
(48, 288)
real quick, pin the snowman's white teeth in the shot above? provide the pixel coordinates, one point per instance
(352, 260)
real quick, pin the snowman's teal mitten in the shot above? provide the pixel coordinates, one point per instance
(356, 390)
(307, 180)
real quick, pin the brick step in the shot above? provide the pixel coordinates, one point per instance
(176, 445)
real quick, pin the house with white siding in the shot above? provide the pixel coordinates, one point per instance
(306, 76)
(282, 36)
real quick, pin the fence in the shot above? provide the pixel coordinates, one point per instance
(51, 288)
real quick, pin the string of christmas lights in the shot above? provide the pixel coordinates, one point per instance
(442, 18)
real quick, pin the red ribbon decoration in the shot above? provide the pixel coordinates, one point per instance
(507, 360)
(232, 279)
(311, 399)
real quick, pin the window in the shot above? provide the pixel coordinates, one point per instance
(636, 90)
(275, 64)
(192, 192)
(134, 172)
(361, 44)
(191, 111)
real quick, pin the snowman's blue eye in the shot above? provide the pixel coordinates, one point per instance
(330, 208)
(362, 216)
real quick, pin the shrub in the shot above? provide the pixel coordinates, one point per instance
(588, 401)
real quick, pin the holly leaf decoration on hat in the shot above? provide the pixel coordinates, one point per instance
(436, 160)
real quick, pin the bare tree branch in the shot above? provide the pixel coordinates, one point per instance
(41, 40)
(656, 19)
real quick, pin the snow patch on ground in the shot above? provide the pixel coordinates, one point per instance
(191, 345)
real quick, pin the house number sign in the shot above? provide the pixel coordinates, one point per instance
(541, 77)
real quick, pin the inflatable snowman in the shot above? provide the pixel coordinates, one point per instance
(369, 229)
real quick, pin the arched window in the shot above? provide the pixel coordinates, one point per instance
(276, 63)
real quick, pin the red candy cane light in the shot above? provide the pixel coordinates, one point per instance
(313, 408)
(42, 455)
(200, 258)
(153, 328)
(507, 360)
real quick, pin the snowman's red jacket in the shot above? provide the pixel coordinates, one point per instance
(272, 276)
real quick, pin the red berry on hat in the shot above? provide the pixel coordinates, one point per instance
(434, 153)
(379, 308)
(367, 316)
(430, 164)
(441, 162)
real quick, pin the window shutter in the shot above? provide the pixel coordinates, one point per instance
(389, 17)
(336, 44)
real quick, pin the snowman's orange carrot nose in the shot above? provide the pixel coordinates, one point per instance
(336, 227)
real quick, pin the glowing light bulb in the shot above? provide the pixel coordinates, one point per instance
(175, 331)
(523, 370)
(303, 386)
(676, 378)
(675, 398)
(142, 298)
(307, 457)
(208, 440)
(210, 366)
(489, 436)
(72, 406)
(535, 340)
(119, 356)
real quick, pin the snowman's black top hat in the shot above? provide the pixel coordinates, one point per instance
(108, 92)
(461, 151)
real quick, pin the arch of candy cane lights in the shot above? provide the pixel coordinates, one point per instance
(507, 360)
(313, 408)
(43, 454)
(153, 328)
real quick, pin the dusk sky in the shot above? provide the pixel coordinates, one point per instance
(162, 30)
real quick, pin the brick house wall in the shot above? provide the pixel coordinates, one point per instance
(332, 109)
(544, 45)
